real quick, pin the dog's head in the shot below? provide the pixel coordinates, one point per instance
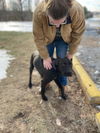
(64, 66)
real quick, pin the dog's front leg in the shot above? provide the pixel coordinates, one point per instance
(63, 95)
(43, 88)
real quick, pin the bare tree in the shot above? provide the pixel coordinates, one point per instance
(29, 5)
(15, 6)
(21, 2)
(3, 4)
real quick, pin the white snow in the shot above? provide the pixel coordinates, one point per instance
(16, 26)
(5, 59)
(97, 72)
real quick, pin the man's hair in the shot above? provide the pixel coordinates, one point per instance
(58, 9)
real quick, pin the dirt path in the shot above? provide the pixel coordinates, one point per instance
(21, 110)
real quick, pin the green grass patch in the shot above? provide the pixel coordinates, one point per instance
(18, 43)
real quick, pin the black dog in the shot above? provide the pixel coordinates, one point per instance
(60, 66)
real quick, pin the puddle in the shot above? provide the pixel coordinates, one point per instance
(89, 57)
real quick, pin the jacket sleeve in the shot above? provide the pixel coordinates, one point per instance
(38, 35)
(78, 27)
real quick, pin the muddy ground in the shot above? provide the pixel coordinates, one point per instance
(21, 110)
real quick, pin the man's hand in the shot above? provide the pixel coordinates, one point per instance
(47, 63)
(70, 56)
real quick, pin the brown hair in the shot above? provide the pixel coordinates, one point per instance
(58, 9)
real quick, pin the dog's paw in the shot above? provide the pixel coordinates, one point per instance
(59, 97)
(30, 86)
(64, 96)
(44, 98)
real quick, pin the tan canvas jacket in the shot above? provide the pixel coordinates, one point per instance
(45, 34)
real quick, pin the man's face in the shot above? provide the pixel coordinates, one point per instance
(58, 22)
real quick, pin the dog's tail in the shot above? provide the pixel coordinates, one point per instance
(30, 71)
(31, 61)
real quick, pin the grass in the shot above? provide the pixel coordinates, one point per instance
(15, 41)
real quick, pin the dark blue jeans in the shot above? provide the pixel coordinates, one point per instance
(61, 51)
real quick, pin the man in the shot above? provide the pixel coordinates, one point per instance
(58, 24)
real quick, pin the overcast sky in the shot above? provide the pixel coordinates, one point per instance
(92, 5)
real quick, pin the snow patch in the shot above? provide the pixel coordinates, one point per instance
(5, 59)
